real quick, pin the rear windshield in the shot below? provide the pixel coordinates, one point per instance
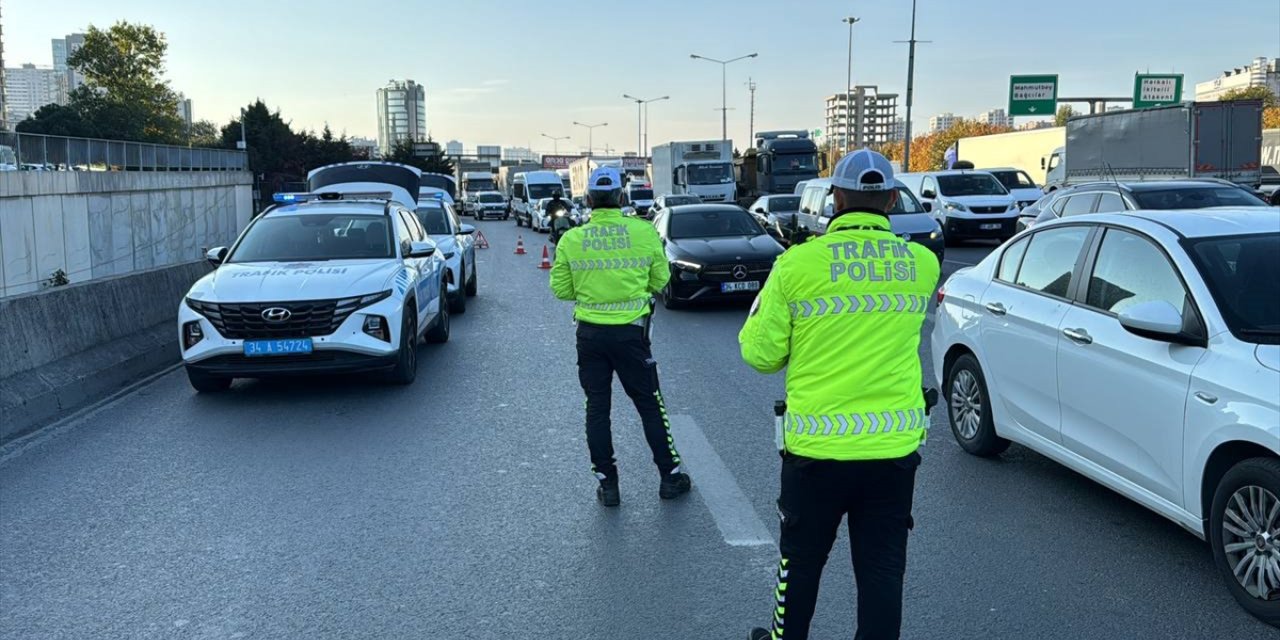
(714, 224)
(641, 194)
(679, 200)
(784, 203)
(315, 237)
(970, 184)
(1243, 274)
(1196, 198)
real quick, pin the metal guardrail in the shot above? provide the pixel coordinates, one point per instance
(39, 152)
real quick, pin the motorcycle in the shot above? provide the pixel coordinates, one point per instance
(562, 220)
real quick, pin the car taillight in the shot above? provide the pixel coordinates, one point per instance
(941, 294)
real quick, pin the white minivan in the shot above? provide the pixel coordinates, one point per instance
(530, 187)
(968, 204)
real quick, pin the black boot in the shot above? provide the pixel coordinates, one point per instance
(674, 485)
(607, 493)
(758, 634)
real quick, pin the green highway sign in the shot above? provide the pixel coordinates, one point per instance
(817, 133)
(1033, 95)
(1156, 90)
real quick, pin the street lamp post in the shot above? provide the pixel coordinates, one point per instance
(724, 90)
(590, 132)
(642, 126)
(848, 89)
(555, 141)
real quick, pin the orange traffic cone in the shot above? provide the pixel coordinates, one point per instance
(520, 245)
(546, 258)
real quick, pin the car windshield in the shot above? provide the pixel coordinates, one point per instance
(539, 191)
(906, 203)
(970, 184)
(1014, 179)
(641, 194)
(714, 224)
(490, 197)
(709, 174)
(795, 163)
(784, 203)
(314, 237)
(433, 220)
(1241, 272)
(1195, 198)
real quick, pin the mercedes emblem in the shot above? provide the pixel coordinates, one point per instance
(276, 314)
(740, 272)
(906, 237)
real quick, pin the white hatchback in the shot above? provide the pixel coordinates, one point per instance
(1143, 351)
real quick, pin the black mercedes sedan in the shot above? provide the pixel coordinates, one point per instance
(716, 252)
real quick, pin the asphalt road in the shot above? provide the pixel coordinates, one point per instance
(462, 507)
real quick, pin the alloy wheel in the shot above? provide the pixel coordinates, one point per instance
(1251, 540)
(966, 404)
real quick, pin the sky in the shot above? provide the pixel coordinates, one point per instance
(504, 71)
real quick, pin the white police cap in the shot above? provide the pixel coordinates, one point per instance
(604, 179)
(863, 170)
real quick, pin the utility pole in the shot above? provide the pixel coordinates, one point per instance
(724, 90)
(751, 127)
(590, 132)
(911, 78)
(555, 141)
(848, 89)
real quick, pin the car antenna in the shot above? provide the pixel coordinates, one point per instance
(1112, 172)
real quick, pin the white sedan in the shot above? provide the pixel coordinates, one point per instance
(1143, 351)
(458, 246)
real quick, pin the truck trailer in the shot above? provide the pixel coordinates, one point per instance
(700, 167)
(1024, 150)
(1191, 140)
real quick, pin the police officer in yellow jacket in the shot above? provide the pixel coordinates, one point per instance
(843, 312)
(611, 268)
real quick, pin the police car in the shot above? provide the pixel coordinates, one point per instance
(339, 281)
(456, 242)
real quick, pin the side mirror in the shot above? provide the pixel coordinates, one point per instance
(928, 193)
(760, 210)
(928, 206)
(216, 255)
(1157, 320)
(421, 249)
(466, 229)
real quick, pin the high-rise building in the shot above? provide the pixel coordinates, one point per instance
(996, 118)
(519, 154)
(1259, 73)
(942, 122)
(402, 114)
(62, 50)
(184, 112)
(861, 118)
(453, 148)
(27, 88)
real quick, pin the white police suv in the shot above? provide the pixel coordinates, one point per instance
(341, 281)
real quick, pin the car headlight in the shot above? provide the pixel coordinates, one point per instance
(685, 265)
(935, 234)
(359, 302)
(954, 206)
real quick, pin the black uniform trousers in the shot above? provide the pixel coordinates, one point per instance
(816, 495)
(604, 350)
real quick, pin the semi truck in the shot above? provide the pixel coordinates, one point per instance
(1023, 150)
(779, 161)
(1190, 140)
(700, 167)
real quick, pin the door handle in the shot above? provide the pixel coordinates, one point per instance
(1207, 398)
(996, 308)
(1079, 336)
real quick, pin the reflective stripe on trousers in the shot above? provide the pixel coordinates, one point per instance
(856, 424)
(838, 305)
(626, 305)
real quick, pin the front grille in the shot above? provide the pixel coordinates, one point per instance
(244, 321)
(989, 209)
(724, 272)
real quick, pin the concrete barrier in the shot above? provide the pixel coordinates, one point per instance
(64, 347)
(91, 225)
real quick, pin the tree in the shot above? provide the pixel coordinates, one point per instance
(125, 95)
(204, 133)
(403, 153)
(325, 149)
(59, 120)
(1258, 92)
(1065, 112)
(275, 151)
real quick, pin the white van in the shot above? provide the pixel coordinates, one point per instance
(530, 187)
(968, 204)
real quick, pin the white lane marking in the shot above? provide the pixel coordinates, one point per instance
(729, 507)
(15, 448)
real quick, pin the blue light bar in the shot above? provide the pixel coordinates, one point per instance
(285, 198)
